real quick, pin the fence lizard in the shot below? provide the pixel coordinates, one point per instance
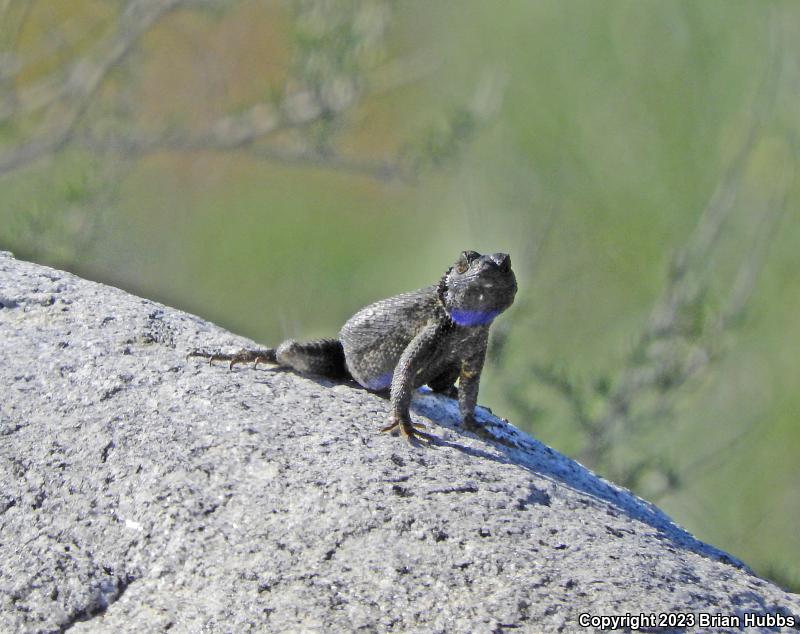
(431, 336)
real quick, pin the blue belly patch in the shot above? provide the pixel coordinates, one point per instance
(379, 383)
(473, 317)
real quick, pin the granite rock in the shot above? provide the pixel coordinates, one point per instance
(141, 491)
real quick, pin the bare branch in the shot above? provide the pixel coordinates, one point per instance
(11, 26)
(328, 78)
(401, 72)
(83, 81)
(242, 138)
(568, 390)
(710, 460)
(719, 208)
(299, 110)
(669, 350)
(29, 99)
(10, 29)
(749, 269)
(376, 169)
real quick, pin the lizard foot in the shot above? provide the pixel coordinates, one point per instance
(243, 356)
(411, 431)
(471, 424)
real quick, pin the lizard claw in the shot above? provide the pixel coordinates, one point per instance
(411, 431)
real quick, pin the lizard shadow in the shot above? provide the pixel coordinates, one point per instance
(508, 445)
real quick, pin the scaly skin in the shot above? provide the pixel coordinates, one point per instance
(432, 336)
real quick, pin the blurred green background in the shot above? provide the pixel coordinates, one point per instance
(274, 166)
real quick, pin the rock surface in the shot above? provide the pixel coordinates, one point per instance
(142, 492)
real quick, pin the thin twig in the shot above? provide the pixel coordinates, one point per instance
(84, 80)
(642, 373)
(748, 271)
(249, 140)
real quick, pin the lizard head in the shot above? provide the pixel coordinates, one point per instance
(477, 288)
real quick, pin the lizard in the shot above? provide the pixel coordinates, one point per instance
(431, 336)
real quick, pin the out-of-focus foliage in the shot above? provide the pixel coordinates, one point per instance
(276, 165)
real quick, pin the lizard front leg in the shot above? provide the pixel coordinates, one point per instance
(415, 357)
(468, 383)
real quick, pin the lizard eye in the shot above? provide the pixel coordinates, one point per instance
(470, 256)
(467, 258)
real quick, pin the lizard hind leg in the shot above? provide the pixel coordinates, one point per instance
(445, 382)
(324, 357)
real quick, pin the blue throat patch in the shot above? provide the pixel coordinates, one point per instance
(472, 317)
(378, 383)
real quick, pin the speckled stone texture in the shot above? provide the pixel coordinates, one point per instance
(141, 492)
